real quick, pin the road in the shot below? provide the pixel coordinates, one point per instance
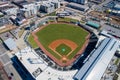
(100, 5)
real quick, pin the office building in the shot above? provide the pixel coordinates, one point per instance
(8, 9)
(47, 7)
(78, 6)
(78, 1)
(28, 9)
(97, 1)
(56, 4)
(82, 1)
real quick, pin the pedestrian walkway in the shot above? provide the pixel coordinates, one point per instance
(20, 42)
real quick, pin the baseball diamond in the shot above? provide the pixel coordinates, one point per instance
(62, 42)
(58, 45)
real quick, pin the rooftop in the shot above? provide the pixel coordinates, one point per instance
(97, 63)
(48, 4)
(33, 62)
(117, 6)
(7, 7)
(95, 25)
(3, 3)
(4, 21)
(78, 5)
(22, 2)
(10, 43)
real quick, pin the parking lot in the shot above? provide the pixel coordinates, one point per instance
(111, 30)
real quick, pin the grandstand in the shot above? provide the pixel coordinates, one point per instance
(98, 61)
(33, 67)
(38, 69)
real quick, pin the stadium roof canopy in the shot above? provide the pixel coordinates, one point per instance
(10, 43)
(92, 24)
(97, 63)
(38, 68)
(105, 33)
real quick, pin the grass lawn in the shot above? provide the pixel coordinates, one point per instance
(0, 41)
(117, 61)
(52, 14)
(67, 19)
(1, 15)
(32, 42)
(63, 49)
(61, 31)
(51, 21)
(83, 22)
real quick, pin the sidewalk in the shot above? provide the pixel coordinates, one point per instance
(20, 42)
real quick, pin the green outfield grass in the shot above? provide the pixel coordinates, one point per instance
(62, 31)
(32, 42)
(63, 49)
(51, 14)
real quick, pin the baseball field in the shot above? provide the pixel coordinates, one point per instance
(59, 41)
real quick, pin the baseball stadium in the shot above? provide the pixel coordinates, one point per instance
(62, 42)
